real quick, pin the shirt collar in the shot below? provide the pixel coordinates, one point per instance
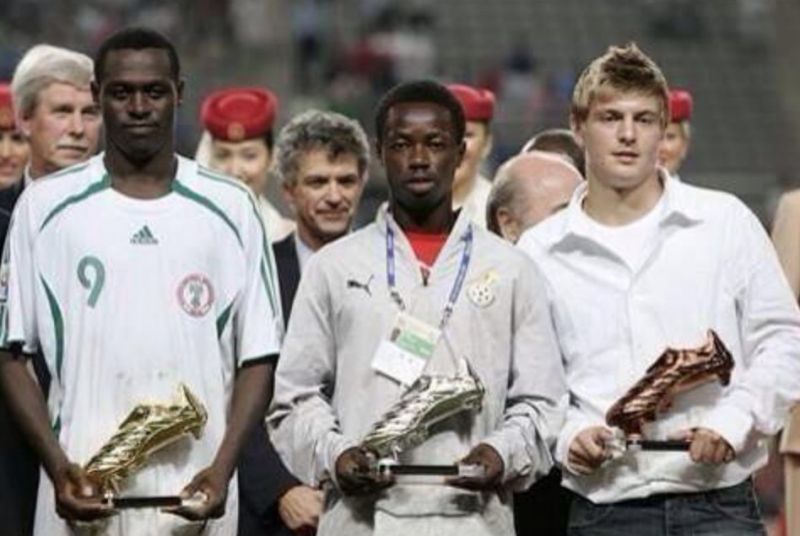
(454, 239)
(681, 209)
(303, 251)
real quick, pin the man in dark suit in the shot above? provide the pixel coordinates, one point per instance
(321, 159)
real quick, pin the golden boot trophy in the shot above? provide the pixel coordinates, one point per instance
(147, 429)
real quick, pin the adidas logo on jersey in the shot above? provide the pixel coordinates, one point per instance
(144, 236)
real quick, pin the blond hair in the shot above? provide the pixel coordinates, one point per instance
(625, 69)
(43, 65)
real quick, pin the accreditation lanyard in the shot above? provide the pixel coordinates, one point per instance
(391, 276)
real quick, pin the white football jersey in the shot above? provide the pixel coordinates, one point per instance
(128, 298)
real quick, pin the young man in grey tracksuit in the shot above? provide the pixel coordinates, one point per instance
(419, 259)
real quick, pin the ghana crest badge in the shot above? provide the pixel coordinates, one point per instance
(196, 295)
(481, 290)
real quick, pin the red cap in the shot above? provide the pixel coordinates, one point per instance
(6, 110)
(236, 114)
(680, 105)
(478, 103)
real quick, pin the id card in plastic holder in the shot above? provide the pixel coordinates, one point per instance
(403, 356)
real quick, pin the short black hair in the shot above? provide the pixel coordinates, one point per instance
(420, 91)
(136, 38)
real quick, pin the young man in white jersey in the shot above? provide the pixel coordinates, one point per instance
(638, 263)
(135, 272)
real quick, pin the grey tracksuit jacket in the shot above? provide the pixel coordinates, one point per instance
(327, 395)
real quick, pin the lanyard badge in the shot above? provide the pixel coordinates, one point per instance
(411, 343)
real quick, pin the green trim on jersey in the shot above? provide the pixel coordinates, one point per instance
(222, 319)
(58, 325)
(271, 272)
(57, 426)
(277, 313)
(182, 189)
(92, 189)
(4, 325)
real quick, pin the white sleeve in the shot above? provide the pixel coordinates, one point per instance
(18, 282)
(761, 395)
(257, 316)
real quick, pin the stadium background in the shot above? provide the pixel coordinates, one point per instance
(739, 59)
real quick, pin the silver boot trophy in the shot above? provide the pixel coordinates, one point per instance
(430, 399)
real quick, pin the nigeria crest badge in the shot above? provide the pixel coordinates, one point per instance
(196, 294)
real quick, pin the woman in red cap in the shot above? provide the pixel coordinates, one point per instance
(14, 152)
(238, 123)
(675, 146)
(471, 188)
(13, 146)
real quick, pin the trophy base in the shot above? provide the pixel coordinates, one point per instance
(426, 474)
(152, 501)
(123, 503)
(621, 444)
(666, 445)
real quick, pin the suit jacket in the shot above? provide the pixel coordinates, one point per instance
(263, 477)
(288, 273)
(8, 199)
(786, 237)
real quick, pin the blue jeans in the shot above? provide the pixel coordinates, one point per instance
(723, 512)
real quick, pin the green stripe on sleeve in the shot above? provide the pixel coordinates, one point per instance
(273, 302)
(57, 426)
(92, 189)
(222, 320)
(4, 325)
(58, 325)
(202, 200)
(269, 275)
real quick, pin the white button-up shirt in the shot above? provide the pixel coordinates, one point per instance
(712, 266)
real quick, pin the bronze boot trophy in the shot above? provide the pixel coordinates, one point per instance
(673, 372)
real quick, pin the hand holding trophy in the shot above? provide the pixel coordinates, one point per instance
(77, 497)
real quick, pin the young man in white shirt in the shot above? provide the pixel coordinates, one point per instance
(640, 262)
(135, 272)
